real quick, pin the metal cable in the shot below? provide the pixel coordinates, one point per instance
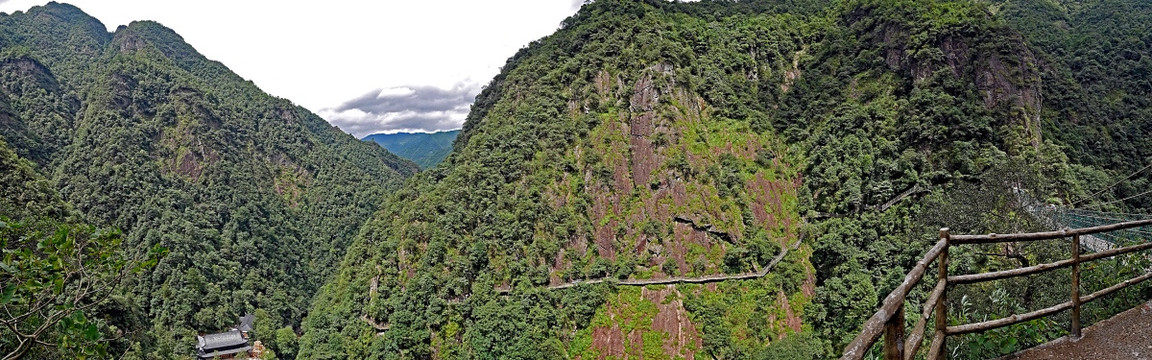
(1113, 185)
(1116, 201)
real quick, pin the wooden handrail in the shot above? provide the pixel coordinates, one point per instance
(1115, 288)
(1011, 320)
(938, 341)
(1016, 319)
(895, 301)
(889, 320)
(916, 337)
(996, 275)
(1047, 235)
(1076, 287)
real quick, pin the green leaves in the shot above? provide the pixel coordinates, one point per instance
(6, 295)
(69, 271)
(202, 169)
(7, 268)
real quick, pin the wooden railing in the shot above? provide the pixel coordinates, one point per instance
(889, 320)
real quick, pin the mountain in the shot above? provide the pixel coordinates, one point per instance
(1097, 62)
(252, 197)
(425, 149)
(712, 179)
(649, 140)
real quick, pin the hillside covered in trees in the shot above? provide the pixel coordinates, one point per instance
(820, 143)
(424, 149)
(249, 197)
(651, 139)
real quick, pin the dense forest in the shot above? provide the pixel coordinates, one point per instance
(424, 149)
(249, 198)
(804, 151)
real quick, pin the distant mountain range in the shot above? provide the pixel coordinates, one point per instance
(424, 149)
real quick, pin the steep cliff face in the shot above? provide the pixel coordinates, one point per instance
(991, 56)
(39, 112)
(651, 140)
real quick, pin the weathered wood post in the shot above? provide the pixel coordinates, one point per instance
(894, 335)
(1075, 287)
(941, 303)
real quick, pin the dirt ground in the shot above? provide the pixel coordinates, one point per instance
(1126, 336)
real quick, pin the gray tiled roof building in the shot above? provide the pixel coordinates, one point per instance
(221, 345)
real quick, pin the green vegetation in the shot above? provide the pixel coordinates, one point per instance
(598, 153)
(648, 139)
(424, 149)
(56, 275)
(643, 140)
(1096, 61)
(254, 198)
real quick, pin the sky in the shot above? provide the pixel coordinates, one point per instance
(365, 66)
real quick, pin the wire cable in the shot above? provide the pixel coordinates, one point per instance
(1113, 185)
(1124, 199)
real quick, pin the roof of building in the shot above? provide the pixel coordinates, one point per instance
(207, 343)
(215, 353)
(246, 322)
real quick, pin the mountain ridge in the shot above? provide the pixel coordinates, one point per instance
(425, 149)
(635, 185)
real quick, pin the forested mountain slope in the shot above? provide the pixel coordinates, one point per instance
(647, 139)
(425, 149)
(1096, 58)
(254, 198)
(55, 270)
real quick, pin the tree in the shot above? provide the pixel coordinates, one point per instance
(53, 275)
(286, 341)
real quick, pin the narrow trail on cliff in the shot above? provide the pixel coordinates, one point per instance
(645, 282)
(681, 280)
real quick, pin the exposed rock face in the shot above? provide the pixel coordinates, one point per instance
(35, 113)
(1005, 76)
(639, 187)
(656, 314)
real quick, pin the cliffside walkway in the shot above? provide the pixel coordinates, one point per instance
(1127, 336)
(381, 328)
(684, 280)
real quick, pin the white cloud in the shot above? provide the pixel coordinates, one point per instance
(396, 91)
(404, 108)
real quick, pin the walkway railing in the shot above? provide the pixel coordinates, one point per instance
(889, 320)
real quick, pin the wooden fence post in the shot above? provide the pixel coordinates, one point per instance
(894, 335)
(941, 303)
(1075, 287)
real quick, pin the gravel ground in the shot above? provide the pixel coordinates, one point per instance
(1126, 336)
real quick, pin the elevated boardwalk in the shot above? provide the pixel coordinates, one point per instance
(1124, 336)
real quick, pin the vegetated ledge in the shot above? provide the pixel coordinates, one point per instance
(381, 328)
(705, 228)
(678, 280)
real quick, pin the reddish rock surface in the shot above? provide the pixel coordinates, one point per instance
(682, 339)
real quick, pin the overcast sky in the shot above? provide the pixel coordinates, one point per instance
(365, 66)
